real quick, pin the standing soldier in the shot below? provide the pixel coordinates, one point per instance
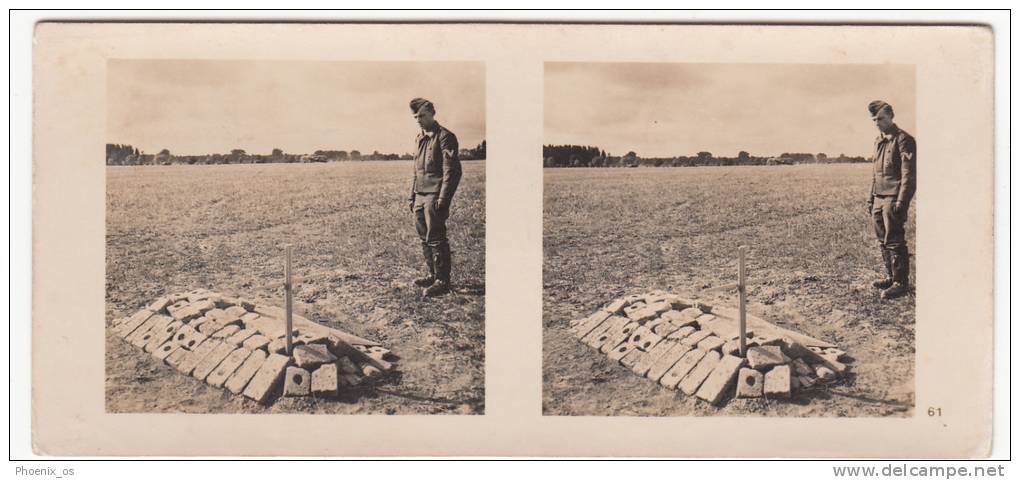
(436, 175)
(893, 182)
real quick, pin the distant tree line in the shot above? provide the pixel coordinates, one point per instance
(117, 154)
(589, 156)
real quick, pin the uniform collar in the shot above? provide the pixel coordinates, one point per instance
(895, 130)
(431, 131)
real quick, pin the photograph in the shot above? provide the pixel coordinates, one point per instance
(729, 239)
(295, 237)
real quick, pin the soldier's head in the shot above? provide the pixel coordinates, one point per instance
(881, 114)
(424, 112)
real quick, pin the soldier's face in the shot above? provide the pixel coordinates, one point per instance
(883, 120)
(425, 117)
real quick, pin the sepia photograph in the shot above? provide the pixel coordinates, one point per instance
(729, 239)
(295, 237)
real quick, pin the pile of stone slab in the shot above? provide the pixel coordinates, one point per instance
(235, 344)
(693, 347)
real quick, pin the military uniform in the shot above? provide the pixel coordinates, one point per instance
(437, 173)
(894, 180)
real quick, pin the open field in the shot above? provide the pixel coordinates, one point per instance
(223, 227)
(610, 232)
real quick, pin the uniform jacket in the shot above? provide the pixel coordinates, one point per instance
(436, 164)
(895, 166)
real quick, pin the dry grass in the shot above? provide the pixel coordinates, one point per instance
(223, 227)
(609, 232)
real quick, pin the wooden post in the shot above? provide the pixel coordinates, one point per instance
(742, 289)
(288, 289)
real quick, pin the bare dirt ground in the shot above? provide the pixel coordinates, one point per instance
(611, 232)
(223, 227)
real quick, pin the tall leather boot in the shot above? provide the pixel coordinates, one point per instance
(901, 275)
(442, 263)
(888, 280)
(426, 251)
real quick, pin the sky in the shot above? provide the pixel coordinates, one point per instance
(195, 107)
(677, 109)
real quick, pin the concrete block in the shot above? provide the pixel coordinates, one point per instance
(644, 315)
(213, 360)
(616, 306)
(682, 332)
(732, 347)
(750, 383)
(666, 361)
(162, 334)
(601, 334)
(777, 382)
(163, 351)
(720, 382)
(236, 311)
(186, 314)
(325, 380)
(143, 333)
(695, 337)
(256, 342)
(226, 331)
(133, 322)
(248, 317)
(690, 383)
(239, 379)
(634, 298)
(659, 305)
(691, 313)
(159, 304)
(620, 351)
(227, 367)
(764, 357)
(645, 363)
(643, 338)
(177, 356)
(632, 358)
(704, 320)
(619, 336)
(297, 382)
(267, 380)
(195, 357)
(238, 338)
(682, 367)
(588, 324)
(711, 343)
(188, 338)
(311, 356)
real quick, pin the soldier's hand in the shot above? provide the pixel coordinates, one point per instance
(899, 209)
(410, 205)
(871, 206)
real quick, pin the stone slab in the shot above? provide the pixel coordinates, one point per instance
(621, 350)
(690, 383)
(726, 328)
(682, 367)
(311, 356)
(212, 360)
(143, 333)
(268, 378)
(732, 347)
(226, 331)
(255, 342)
(682, 332)
(227, 367)
(764, 357)
(325, 380)
(632, 358)
(750, 383)
(666, 361)
(720, 382)
(616, 306)
(251, 365)
(777, 382)
(177, 356)
(297, 382)
(188, 338)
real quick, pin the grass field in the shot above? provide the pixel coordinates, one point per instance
(609, 232)
(223, 227)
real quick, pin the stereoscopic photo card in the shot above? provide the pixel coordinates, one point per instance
(342, 239)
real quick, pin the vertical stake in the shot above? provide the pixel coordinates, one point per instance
(742, 289)
(288, 289)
